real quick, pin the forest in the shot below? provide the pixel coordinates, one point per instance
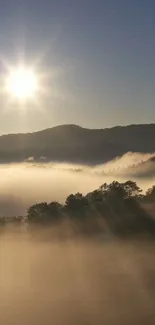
(116, 208)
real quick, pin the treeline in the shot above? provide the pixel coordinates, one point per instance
(114, 208)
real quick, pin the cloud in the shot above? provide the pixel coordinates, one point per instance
(127, 163)
(74, 282)
(26, 183)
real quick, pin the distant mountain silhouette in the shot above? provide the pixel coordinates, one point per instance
(72, 143)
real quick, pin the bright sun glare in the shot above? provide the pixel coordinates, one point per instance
(22, 83)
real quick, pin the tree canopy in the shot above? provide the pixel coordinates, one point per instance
(116, 204)
(115, 207)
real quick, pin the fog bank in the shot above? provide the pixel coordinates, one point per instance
(27, 183)
(75, 282)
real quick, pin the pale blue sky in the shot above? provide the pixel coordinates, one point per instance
(101, 54)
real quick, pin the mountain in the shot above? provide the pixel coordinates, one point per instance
(72, 143)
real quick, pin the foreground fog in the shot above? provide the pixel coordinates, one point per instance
(75, 282)
(24, 184)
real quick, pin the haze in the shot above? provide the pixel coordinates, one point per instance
(77, 110)
(75, 282)
(26, 183)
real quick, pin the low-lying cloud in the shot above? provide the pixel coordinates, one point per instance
(75, 282)
(26, 183)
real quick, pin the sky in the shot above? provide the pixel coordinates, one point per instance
(98, 57)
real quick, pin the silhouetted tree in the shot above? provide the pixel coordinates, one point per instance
(132, 189)
(124, 209)
(43, 212)
(97, 202)
(76, 205)
(38, 212)
(150, 194)
(117, 205)
(54, 211)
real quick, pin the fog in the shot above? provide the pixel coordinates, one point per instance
(48, 275)
(26, 183)
(75, 281)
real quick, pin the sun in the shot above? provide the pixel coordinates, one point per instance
(22, 83)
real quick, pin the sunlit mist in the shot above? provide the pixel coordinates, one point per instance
(75, 282)
(23, 184)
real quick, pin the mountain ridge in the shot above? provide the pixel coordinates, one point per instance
(76, 144)
(81, 127)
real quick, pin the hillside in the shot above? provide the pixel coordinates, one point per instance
(72, 143)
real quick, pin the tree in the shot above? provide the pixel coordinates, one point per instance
(37, 212)
(122, 206)
(114, 207)
(132, 189)
(113, 191)
(95, 196)
(43, 212)
(54, 211)
(150, 194)
(76, 204)
(121, 190)
(96, 201)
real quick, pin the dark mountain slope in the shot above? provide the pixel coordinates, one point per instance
(72, 143)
